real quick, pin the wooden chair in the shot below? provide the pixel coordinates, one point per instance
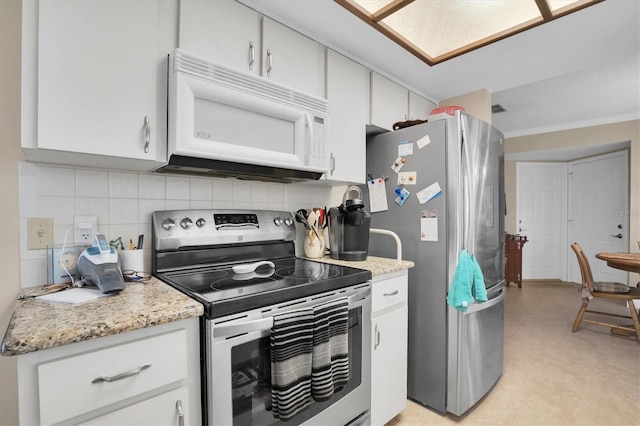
(605, 290)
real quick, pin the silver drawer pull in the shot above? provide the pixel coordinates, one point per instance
(180, 413)
(121, 376)
(147, 134)
(393, 293)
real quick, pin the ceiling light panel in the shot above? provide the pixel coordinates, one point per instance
(438, 30)
(438, 27)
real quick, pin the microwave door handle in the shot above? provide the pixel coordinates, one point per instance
(310, 136)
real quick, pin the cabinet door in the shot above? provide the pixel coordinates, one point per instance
(388, 365)
(223, 31)
(348, 94)
(292, 59)
(389, 102)
(98, 75)
(419, 107)
(164, 409)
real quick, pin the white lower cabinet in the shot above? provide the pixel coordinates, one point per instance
(143, 377)
(389, 346)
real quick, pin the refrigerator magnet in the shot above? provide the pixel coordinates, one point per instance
(402, 195)
(397, 164)
(407, 178)
(429, 193)
(405, 148)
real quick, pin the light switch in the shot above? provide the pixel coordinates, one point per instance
(39, 233)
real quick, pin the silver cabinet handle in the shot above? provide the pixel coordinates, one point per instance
(393, 293)
(180, 413)
(269, 62)
(333, 163)
(252, 55)
(377, 343)
(147, 134)
(122, 375)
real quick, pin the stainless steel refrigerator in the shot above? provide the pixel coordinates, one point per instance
(454, 172)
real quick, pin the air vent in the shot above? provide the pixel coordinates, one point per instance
(497, 108)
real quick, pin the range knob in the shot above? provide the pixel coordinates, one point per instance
(277, 221)
(201, 222)
(288, 221)
(186, 223)
(168, 224)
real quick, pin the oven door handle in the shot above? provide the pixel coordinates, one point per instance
(231, 330)
(225, 331)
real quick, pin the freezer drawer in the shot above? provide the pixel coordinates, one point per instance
(476, 348)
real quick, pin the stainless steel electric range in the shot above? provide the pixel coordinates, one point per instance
(241, 265)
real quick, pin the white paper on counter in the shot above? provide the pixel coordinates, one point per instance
(74, 295)
(377, 195)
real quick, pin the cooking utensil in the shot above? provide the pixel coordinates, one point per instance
(251, 267)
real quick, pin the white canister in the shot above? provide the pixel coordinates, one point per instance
(132, 260)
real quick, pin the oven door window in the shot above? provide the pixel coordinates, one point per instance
(251, 379)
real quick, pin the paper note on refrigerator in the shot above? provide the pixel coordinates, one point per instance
(405, 148)
(429, 225)
(424, 141)
(429, 193)
(377, 195)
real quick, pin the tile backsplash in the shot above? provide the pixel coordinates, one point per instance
(123, 203)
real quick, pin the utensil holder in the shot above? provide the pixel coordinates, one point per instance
(314, 246)
(132, 260)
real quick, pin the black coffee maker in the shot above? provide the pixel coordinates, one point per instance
(349, 227)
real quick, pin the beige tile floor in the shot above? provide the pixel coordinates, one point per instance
(552, 376)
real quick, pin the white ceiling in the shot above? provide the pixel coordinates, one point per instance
(579, 70)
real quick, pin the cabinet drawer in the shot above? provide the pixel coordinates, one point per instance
(388, 293)
(160, 410)
(72, 386)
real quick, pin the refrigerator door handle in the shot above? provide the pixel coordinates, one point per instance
(476, 307)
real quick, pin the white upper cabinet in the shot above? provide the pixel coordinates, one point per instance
(389, 102)
(419, 107)
(225, 32)
(348, 96)
(229, 33)
(292, 59)
(97, 78)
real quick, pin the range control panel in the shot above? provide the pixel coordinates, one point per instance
(175, 229)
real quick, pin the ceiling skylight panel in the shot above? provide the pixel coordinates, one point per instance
(438, 27)
(438, 30)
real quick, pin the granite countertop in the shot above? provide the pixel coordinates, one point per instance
(377, 265)
(36, 325)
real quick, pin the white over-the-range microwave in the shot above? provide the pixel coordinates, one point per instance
(224, 122)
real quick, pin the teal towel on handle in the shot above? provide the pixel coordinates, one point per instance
(479, 289)
(467, 283)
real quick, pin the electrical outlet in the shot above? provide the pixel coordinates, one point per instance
(39, 233)
(84, 230)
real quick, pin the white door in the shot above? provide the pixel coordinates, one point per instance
(541, 216)
(598, 212)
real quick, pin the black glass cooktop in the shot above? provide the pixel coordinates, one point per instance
(223, 291)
